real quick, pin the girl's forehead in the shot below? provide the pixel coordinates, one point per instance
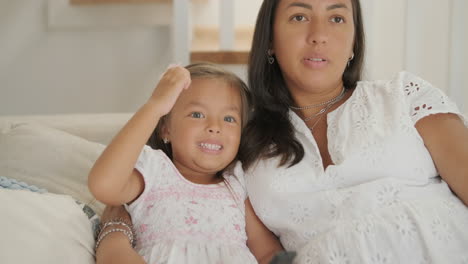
(209, 91)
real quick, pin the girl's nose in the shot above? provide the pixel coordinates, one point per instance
(214, 130)
(214, 127)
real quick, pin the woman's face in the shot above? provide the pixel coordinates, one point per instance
(313, 41)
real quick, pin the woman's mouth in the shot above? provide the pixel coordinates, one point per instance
(315, 62)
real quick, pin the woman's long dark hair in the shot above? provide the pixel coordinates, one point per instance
(270, 132)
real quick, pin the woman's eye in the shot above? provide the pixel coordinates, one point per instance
(299, 18)
(337, 20)
(229, 119)
(197, 115)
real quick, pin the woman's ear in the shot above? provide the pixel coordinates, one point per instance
(270, 52)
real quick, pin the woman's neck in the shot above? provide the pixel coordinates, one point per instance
(309, 102)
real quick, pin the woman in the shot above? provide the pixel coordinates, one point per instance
(345, 171)
(357, 179)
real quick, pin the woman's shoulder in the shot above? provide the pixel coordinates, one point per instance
(403, 83)
(401, 78)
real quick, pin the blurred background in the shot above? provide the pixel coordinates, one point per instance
(102, 56)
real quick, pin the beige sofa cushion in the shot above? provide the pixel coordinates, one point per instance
(99, 128)
(50, 159)
(43, 229)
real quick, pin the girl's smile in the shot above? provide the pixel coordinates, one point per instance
(210, 147)
(205, 133)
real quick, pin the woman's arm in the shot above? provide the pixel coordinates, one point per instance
(446, 138)
(115, 248)
(261, 241)
(113, 179)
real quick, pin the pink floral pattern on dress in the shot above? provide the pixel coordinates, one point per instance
(178, 221)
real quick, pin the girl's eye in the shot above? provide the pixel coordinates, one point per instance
(337, 20)
(299, 18)
(197, 115)
(229, 119)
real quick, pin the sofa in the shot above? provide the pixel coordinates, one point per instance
(48, 214)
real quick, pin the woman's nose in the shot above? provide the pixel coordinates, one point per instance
(317, 33)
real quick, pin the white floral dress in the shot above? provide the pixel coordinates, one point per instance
(177, 221)
(381, 201)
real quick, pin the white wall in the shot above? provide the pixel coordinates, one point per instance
(68, 70)
(51, 65)
(426, 37)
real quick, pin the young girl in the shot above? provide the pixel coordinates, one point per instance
(186, 204)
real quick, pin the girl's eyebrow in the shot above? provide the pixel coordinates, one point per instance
(230, 107)
(195, 103)
(307, 6)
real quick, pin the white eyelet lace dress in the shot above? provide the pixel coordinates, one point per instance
(177, 221)
(381, 201)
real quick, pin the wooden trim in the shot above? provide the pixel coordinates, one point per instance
(207, 38)
(98, 2)
(221, 57)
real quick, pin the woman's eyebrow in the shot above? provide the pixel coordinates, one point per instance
(335, 6)
(308, 6)
(300, 4)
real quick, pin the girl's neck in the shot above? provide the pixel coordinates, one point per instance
(203, 179)
(197, 177)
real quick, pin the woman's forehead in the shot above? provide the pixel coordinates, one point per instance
(311, 4)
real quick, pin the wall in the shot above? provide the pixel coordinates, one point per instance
(426, 37)
(51, 69)
(54, 61)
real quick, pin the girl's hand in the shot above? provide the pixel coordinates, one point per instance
(172, 82)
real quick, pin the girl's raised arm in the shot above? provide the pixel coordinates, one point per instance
(113, 179)
(263, 244)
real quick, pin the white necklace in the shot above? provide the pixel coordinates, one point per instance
(337, 98)
(322, 111)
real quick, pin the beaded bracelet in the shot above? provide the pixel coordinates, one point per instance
(103, 235)
(119, 221)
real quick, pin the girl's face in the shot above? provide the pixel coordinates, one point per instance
(204, 128)
(312, 42)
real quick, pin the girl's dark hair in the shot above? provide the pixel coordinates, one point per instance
(205, 70)
(269, 132)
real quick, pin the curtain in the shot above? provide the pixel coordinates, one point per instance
(426, 37)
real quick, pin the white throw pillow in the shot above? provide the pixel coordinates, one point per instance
(50, 159)
(43, 229)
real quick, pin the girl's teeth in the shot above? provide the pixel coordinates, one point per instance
(313, 59)
(210, 146)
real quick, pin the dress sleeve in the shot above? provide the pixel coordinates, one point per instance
(424, 99)
(238, 175)
(145, 161)
(149, 164)
(152, 163)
